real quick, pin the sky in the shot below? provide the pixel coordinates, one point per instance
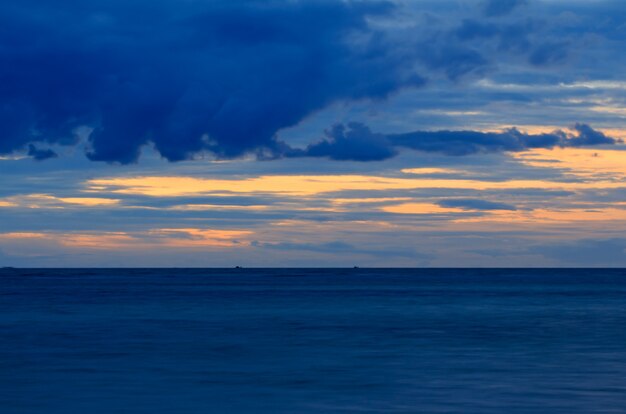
(313, 133)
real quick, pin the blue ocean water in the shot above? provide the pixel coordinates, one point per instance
(312, 341)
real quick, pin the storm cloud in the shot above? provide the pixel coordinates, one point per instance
(222, 76)
(226, 77)
(357, 142)
(354, 142)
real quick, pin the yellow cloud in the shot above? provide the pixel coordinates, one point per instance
(298, 185)
(89, 202)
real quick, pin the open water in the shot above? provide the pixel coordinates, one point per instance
(312, 341)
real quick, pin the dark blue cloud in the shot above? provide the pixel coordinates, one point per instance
(358, 143)
(227, 76)
(472, 29)
(40, 154)
(475, 204)
(454, 60)
(501, 7)
(355, 142)
(588, 136)
(218, 76)
(524, 37)
(515, 36)
(511, 140)
(549, 53)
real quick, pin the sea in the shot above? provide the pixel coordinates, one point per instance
(178, 341)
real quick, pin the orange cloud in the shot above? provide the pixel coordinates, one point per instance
(89, 202)
(22, 235)
(104, 241)
(608, 166)
(298, 186)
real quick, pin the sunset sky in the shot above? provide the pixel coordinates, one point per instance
(313, 133)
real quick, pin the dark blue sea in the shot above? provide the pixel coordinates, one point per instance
(312, 341)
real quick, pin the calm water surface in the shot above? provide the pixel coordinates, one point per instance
(312, 341)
